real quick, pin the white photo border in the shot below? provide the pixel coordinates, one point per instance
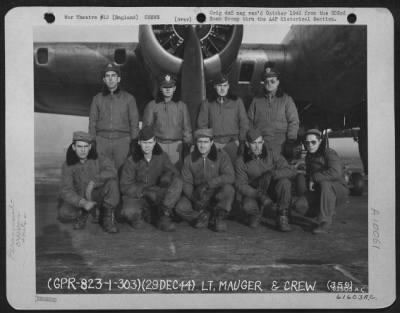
(20, 195)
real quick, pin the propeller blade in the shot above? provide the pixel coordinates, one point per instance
(193, 90)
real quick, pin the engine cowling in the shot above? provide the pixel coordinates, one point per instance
(162, 47)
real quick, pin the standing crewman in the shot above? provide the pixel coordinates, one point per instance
(150, 184)
(275, 114)
(226, 115)
(170, 120)
(89, 181)
(327, 187)
(114, 118)
(208, 176)
(262, 174)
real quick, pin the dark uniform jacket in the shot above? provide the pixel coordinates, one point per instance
(249, 168)
(276, 115)
(76, 177)
(137, 173)
(324, 165)
(114, 115)
(216, 170)
(228, 119)
(170, 121)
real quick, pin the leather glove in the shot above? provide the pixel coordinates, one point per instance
(133, 145)
(290, 149)
(241, 147)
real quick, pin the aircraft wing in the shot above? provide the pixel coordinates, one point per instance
(68, 75)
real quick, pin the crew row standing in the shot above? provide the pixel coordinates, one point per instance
(114, 117)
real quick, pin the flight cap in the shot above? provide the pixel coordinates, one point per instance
(146, 133)
(270, 72)
(203, 132)
(111, 68)
(167, 81)
(220, 79)
(253, 134)
(313, 131)
(82, 136)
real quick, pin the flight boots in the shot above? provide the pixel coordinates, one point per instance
(202, 219)
(217, 222)
(80, 222)
(282, 222)
(95, 215)
(109, 224)
(323, 228)
(253, 220)
(164, 222)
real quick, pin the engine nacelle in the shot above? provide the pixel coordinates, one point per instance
(162, 47)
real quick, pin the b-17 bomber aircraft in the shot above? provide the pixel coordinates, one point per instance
(322, 67)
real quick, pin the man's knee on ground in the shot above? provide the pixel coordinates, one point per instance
(184, 209)
(250, 205)
(131, 208)
(67, 213)
(183, 205)
(301, 205)
(131, 214)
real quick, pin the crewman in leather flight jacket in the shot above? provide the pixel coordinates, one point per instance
(114, 118)
(170, 120)
(275, 114)
(226, 115)
(150, 184)
(89, 181)
(260, 174)
(327, 187)
(208, 176)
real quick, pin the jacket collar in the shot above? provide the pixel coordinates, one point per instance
(248, 155)
(137, 154)
(106, 91)
(212, 155)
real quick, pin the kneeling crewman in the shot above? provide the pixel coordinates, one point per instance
(260, 174)
(150, 184)
(88, 182)
(326, 186)
(208, 176)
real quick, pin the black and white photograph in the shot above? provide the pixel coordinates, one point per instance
(228, 156)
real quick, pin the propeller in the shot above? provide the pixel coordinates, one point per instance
(193, 90)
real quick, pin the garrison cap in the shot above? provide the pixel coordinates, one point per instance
(220, 79)
(203, 132)
(270, 72)
(82, 136)
(313, 131)
(146, 133)
(167, 81)
(111, 68)
(253, 134)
